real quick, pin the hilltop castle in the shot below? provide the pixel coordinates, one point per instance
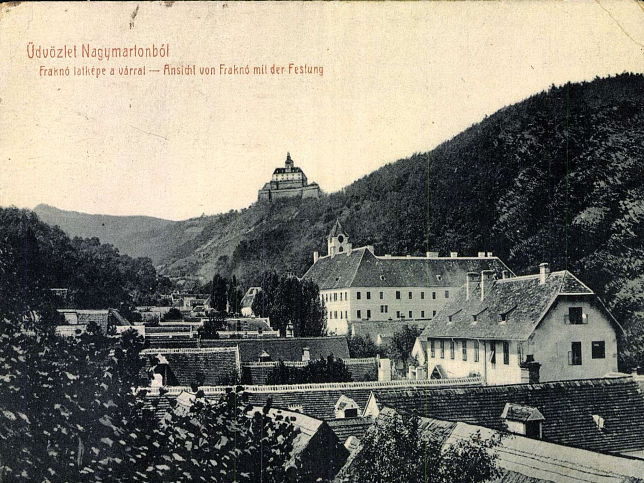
(288, 182)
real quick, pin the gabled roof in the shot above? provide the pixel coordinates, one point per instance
(285, 349)
(373, 329)
(361, 268)
(523, 301)
(343, 428)
(216, 364)
(567, 407)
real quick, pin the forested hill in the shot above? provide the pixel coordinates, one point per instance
(557, 177)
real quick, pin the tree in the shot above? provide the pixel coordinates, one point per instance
(288, 300)
(221, 440)
(218, 294)
(395, 450)
(172, 314)
(319, 371)
(362, 346)
(235, 296)
(403, 342)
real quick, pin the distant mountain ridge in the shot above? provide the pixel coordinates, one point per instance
(137, 236)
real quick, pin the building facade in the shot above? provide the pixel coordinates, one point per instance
(356, 285)
(544, 327)
(288, 182)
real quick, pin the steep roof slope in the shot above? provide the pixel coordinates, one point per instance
(567, 406)
(511, 309)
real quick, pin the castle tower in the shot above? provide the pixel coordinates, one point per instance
(337, 240)
(289, 163)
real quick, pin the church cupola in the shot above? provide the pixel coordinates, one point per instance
(337, 241)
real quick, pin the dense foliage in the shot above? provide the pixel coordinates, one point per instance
(35, 256)
(288, 300)
(396, 450)
(402, 343)
(319, 371)
(362, 346)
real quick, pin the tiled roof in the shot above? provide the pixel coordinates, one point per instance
(361, 268)
(257, 372)
(243, 324)
(217, 364)
(567, 406)
(175, 341)
(522, 300)
(343, 428)
(285, 349)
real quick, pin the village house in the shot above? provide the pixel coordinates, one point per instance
(356, 285)
(77, 320)
(542, 327)
(247, 301)
(288, 182)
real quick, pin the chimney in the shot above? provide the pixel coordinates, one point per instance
(316, 255)
(505, 274)
(533, 372)
(469, 283)
(489, 254)
(306, 354)
(543, 273)
(486, 278)
(431, 254)
(453, 254)
(370, 248)
(481, 255)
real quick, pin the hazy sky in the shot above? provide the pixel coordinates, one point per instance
(398, 78)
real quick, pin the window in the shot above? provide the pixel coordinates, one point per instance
(422, 295)
(341, 314)
(381, 295)
(451, 349)
(335, 314)
(335, 296)
(346, 314)
(397, 294)
(340, 296)
(359, 314)
(410, 315)
(410, 295)
(422, 314)
(464, 350)
(576, 316)
(358, 295)
(598, 349)
(476, 351)
(492, 352)
(432, 349)
(368, 314)
(434, 295)
(506, 352)
(368, 295)
(442, 347)
(574, 356)
(346, 295)
(433, 313)
(520, 352)
(397, 314)
(446, 294)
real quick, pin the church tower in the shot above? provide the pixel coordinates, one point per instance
(337, 240)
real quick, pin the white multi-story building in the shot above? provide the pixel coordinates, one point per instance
(547, 327)
(356, 285)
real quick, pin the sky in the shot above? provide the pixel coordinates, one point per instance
(398, 78)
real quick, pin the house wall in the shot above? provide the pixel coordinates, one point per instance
(552, 340)
(498, 373)
(340, 312)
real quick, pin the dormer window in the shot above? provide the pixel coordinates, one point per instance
(345, 407)
(599, 421)
(525, 420)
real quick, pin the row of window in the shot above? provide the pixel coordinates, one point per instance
(597, 351)
(464, 350)
(344, 296)
(384, 309)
